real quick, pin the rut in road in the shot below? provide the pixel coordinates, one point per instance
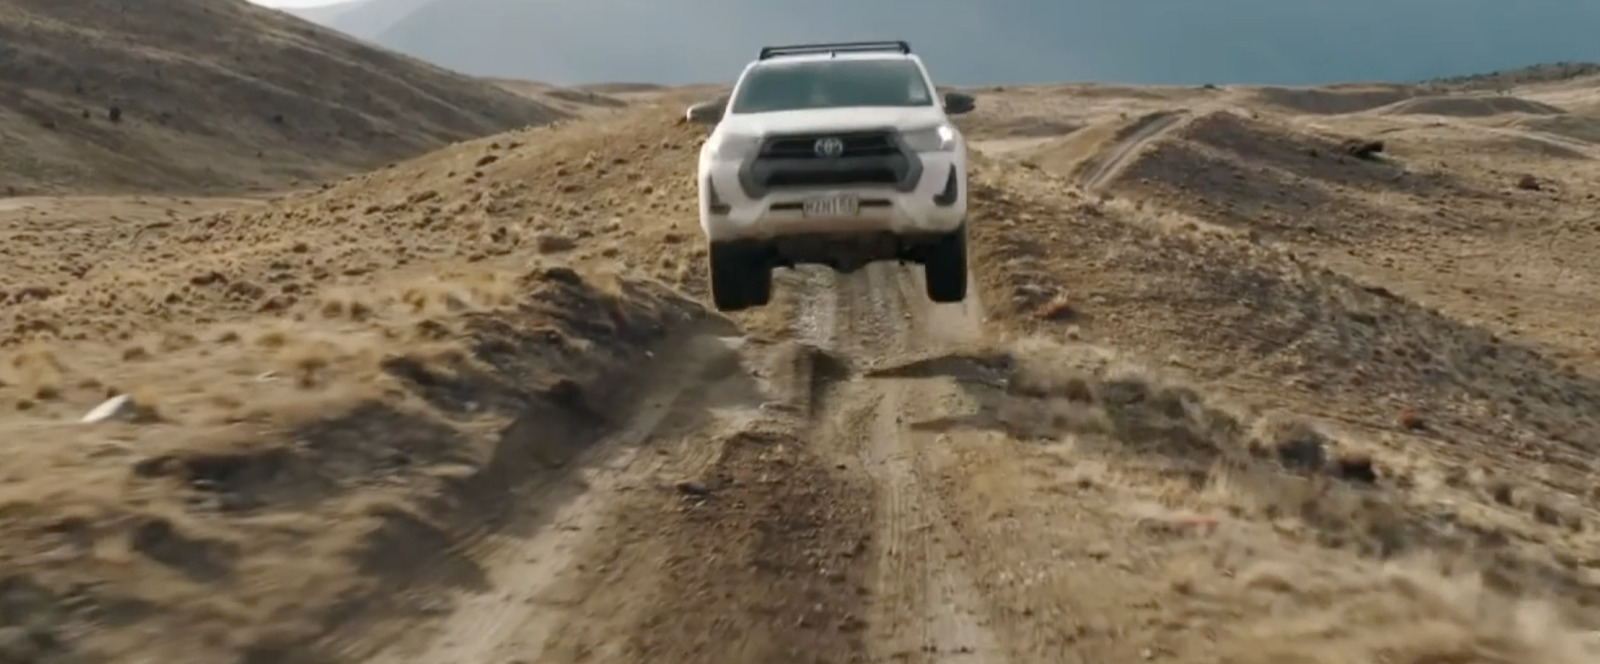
(926, 607)
(766, 507)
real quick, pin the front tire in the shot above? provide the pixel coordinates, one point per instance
(740, 279)
(945, 271)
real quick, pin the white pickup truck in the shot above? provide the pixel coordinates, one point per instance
(834, 154)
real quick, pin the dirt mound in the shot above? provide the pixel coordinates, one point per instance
(1576, 127)
(577, 195)
(1379, 368)
(1124, 143)
(1474, 106)
(1274, 178)
(1066, 154)
(1333, 100)
(333, 376)
(307, 468)
(139, 99)
(1533, 147)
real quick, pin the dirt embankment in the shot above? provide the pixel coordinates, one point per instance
(1471, 106)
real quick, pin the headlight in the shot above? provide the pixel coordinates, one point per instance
(734, 147)
(933, 139)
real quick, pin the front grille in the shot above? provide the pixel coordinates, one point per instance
(856, 144)
(870, 158)
(832, 177)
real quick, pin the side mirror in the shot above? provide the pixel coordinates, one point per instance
(706, 112)
(956, 103)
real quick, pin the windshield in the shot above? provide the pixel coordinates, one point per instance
(832, 84)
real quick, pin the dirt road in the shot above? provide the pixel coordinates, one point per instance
(1102, 168)
(772, 512)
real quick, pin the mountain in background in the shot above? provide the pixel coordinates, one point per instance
(326, 14)
(1004, 41)
(364, 19)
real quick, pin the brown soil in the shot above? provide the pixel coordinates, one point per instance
(1471, 106)
(1229, 390)
(1332, 100)
(207, 96)
(1579, 128)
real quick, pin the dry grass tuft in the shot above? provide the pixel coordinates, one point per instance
(1412, 612)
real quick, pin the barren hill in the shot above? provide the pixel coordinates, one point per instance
(205, 95)
(1249, 375)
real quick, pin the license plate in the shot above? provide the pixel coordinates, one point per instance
(843, 205)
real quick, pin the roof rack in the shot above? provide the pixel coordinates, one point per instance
(838, 47)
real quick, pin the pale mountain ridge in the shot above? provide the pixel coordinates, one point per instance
(325, 14)
(365, 19)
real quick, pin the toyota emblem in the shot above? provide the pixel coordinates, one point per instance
(829, 147)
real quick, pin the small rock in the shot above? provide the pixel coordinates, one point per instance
(1503, 493)
(208, 278)
(694, 488)
(563, 275)
(550, 244)
(156, 466)
(1547, 515)
(33, 293)
(121, 407)
(1299, 446)
(246, 290)
(1362, 149)
(1356, 468)
(1410, 419)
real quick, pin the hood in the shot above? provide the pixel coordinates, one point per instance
(832, 119)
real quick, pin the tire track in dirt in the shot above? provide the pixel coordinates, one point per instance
(762, 507)
(754, 556)
(1101, 168)
(926, 607)
(542, 568)
(710, 533)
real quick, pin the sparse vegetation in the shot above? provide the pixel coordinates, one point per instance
(1552, 72)
(173, 117)
(1279, 367)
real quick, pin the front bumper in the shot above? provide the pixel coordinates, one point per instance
(905, 193)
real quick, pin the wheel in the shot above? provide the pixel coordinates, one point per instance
(945, 271)
(758, 287)
(739, 278)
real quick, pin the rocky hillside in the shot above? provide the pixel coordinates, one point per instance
(211, 95)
